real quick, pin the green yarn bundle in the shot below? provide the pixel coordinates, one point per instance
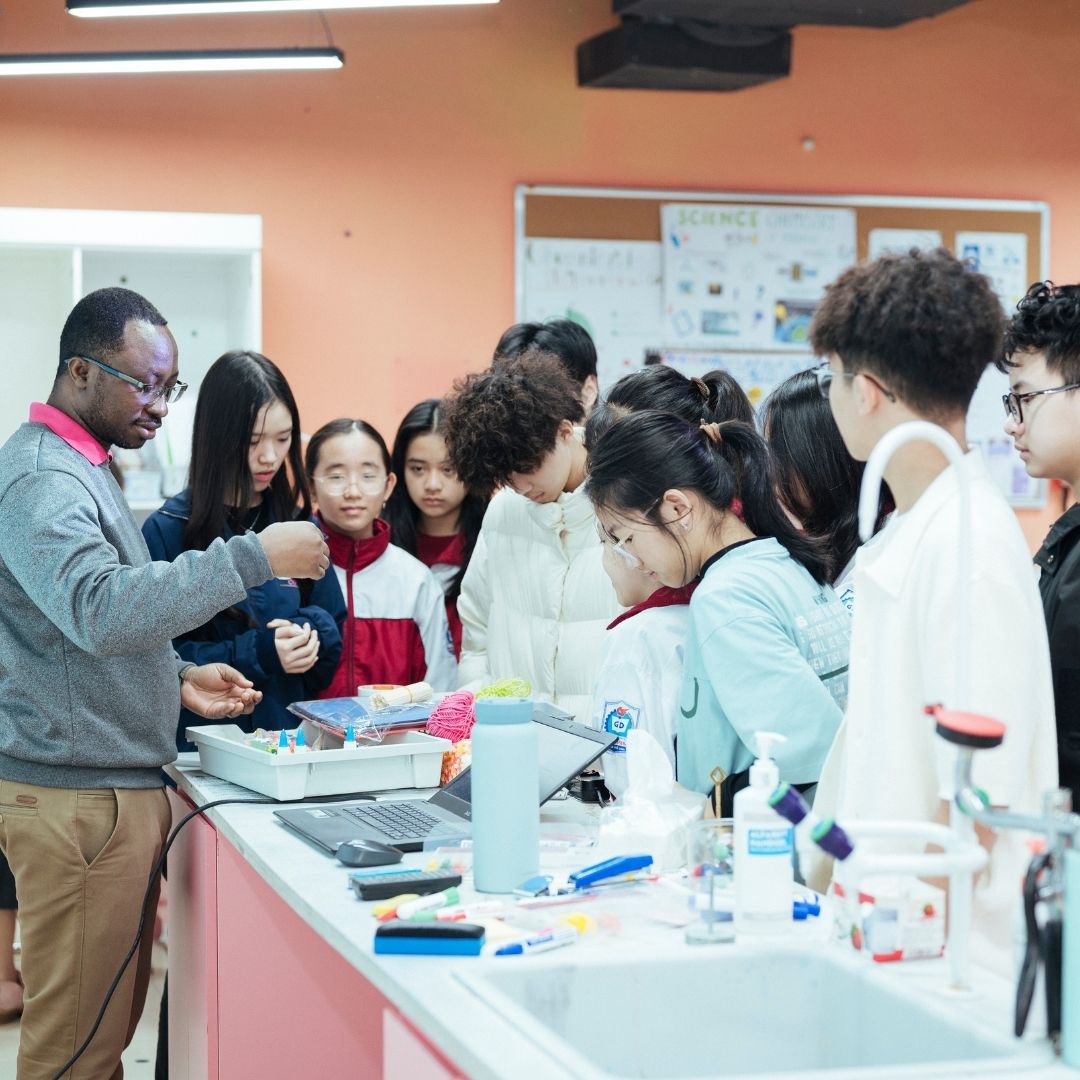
(507, 688)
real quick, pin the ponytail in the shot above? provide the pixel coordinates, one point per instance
(713, 398)
(642, 455)
(746, 453)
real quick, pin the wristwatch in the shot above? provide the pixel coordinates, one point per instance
(185, 669)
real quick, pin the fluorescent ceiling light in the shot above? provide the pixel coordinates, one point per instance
(139, 63)
(106, 9)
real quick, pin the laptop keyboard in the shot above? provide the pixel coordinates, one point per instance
(399, 821)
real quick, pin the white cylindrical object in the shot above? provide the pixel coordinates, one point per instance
(763, 872)
(505, 795)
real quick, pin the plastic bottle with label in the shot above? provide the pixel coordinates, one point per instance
(505, 794)
(763, 848)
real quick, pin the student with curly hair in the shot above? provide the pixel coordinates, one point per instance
(907, 337)
(1042, 357)
(535, 599)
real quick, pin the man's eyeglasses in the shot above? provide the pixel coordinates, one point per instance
(147, 393)
(337, 483)
(825, 376)
(1014, 403)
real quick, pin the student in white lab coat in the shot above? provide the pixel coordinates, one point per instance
(641, 662)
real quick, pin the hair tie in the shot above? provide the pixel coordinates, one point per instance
(712, 433)
(702, 387)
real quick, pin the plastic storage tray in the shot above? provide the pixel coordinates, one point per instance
(402, 760)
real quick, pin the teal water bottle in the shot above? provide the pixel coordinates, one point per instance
(505, 794)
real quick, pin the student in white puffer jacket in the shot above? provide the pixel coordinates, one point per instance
(535, 600)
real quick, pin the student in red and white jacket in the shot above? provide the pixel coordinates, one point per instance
(396, 629)
(431, 514)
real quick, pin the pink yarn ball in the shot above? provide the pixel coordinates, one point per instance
(453, 717)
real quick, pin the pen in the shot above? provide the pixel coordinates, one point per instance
(549, 939)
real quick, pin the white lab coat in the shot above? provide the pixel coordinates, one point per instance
(637, 686)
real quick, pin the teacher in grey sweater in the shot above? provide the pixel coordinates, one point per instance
(90, 687)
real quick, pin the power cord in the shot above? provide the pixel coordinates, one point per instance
(151, 882)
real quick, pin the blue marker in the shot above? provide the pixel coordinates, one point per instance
(550, 939)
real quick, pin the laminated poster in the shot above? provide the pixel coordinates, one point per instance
(611, 287)
(901, 241)
(748, 278)
(1002, 257)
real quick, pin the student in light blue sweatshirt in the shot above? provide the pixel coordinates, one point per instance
(767, 648)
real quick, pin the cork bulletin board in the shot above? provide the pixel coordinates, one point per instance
(730, 279)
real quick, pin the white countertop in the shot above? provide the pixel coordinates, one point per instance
(427, 989)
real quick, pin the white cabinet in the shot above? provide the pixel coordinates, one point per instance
(202, 272)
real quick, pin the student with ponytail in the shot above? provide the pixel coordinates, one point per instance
(768, 643)
(714, 397)
(640, 664)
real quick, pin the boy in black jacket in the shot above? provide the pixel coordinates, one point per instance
(1042, 357)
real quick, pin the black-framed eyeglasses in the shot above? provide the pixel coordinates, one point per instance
(825, 376)
(171, 394)
(1014, 403)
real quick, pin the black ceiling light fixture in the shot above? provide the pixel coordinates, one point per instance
(722, 44)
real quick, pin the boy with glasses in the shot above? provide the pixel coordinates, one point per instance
(1042, 359)
(908, 337)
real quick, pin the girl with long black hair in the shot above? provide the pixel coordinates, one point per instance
(767, 648)
(246, 473)
(817, 480)
(431, 515)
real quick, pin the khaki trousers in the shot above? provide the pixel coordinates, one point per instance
(81, 859)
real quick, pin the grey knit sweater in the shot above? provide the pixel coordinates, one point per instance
(89, 694)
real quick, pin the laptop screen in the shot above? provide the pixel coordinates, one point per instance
(565, 749)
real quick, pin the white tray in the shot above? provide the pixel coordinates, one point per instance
(402, 760)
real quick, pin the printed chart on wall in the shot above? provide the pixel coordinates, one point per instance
(611, 287)
(731, 282)
(749, 277)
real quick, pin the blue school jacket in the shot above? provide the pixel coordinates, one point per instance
(238, 636)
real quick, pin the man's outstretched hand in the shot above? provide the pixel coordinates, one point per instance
(217, 692)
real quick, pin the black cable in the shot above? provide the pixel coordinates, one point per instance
(155, 873)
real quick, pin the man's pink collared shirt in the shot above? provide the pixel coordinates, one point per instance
(71, 431)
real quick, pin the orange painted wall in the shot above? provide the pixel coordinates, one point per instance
(386, 189)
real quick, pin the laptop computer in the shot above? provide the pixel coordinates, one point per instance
(565, 749)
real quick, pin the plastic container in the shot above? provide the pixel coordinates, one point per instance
(763, 850)
(406, 759)
(505, 805)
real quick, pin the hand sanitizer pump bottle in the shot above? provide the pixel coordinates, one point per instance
(505, 795)
(763, 846)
